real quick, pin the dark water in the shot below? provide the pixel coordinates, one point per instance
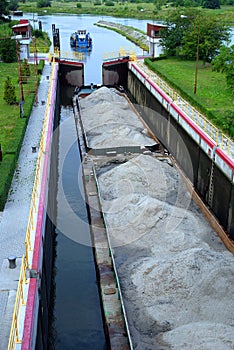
(77, 320)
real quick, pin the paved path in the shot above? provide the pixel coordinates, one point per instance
(14, 219)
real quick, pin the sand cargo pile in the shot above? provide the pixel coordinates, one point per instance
(109, 120)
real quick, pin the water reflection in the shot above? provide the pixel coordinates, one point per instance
(77, 319)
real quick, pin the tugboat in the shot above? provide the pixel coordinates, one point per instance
(81, 39)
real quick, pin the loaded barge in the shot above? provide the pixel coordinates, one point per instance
(165, 256)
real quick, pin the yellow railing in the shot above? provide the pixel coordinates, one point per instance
(31, 227)
(20, 301)
(223, 141)
(80, 56)
(119, 54)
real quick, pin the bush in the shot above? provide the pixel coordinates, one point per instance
(7, 167)
(78, 5)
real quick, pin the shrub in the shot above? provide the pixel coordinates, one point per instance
(9, 92)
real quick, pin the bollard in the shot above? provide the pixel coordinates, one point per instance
(12, 262)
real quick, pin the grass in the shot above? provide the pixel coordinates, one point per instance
(213, 95)
(11, 125)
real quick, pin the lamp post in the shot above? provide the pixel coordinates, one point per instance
(20, 80)
(197, 52)
(20, 72)
(197, 57)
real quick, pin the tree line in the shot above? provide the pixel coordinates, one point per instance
(12, 5)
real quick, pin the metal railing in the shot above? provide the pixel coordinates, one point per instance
(80, 56)
(114, 55)
(31, 227)
(69, 55)
(20, 302)
(222, 140)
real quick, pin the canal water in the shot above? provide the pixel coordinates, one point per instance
(76, 322)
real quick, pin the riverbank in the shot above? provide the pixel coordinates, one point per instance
(144, 10)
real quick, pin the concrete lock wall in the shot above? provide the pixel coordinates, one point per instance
(46, 287)
(193, 160)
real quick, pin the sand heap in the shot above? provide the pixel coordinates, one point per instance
(176, 275)
(109, 121)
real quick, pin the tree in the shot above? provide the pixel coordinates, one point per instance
(9, 92)
(8, 50)
(210, 33)
(3, 7)
(172, 35)
(211, 4)
(191, 31)
(224, 63)
(43, 3)
(13, 5)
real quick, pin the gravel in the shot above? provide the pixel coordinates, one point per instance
(109, 121)
(177, 277)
